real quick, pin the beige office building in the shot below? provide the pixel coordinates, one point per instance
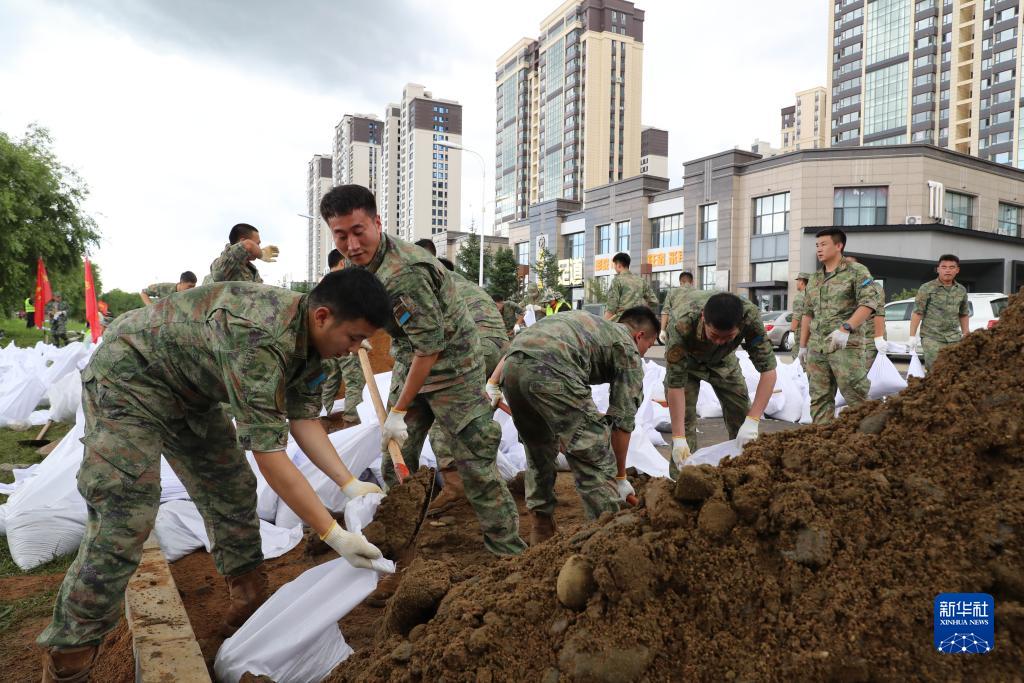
(388, 201)
(357, 151)
(318, 236)
(935, 71)
(804, 124)
(568, 107)
(654, 152)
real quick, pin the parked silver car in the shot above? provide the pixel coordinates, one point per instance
(776, 325)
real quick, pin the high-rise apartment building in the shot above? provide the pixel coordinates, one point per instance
(568, 106)
(654, 152)
(803, 124)
(357, 151)
(937, 71)
(387, 185)
(318, 235)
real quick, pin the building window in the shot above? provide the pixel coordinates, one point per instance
(709, 222)
(959, 210)
(888, 30)
(707, 277)
(771, 214)
(667, 231)
(604, 239)
(622, 236)
(885, 99)
(1009, 219)
(664, 279)
(523, 253)
(860, 206)
(770, 271)
(574, 245)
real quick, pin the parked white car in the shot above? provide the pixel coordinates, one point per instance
(985, 311)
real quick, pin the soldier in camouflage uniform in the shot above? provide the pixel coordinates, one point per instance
(532, 297)
(57, 313)
(798, 310)
(627, 290)
(439, 373)
(235, 263)
(840, 298)
(941, 311)
(675, 297)
(346, 369)
(511, 313)
(546, 379)
(155, 386)
(872, 332)
(702, 346)
(159, 290)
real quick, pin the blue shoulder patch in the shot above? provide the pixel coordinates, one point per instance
(313, 384)
(866, 282)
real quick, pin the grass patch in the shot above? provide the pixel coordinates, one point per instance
(13, 612)
(13, 452)
(14, 329)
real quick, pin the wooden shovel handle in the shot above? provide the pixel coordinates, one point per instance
(401, 469)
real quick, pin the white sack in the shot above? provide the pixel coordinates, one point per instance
(65, 396)
(20, 393)
(916, 368)
(751, 376)
(712, 455)
(792, 405)
(180, 530)
(529, 318)
(708, 405)
(20, 477)
(171, 487)
(3, 519)
(885, 378)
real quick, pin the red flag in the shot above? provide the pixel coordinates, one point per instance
(92, 315)
(43, 293)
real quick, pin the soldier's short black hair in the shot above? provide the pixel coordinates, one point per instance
(344, 199)
(641, 318)
(723, 311)
(950, 257)
(837, 235)
(497, 298)
(240, 231)
(446, 263)
(353, 294)
(621, 258)
(428, 245)
(333, 258)
(188, 276)
(686, 276)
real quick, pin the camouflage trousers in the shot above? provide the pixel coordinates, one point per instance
(554, 414)
(59, 333)
(493, 350)
(843, 369)
(349, 370)
(465, 419)
(931, 348)
(120, 482)
(726, 379)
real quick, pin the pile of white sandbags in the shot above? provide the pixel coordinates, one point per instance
(26, 375)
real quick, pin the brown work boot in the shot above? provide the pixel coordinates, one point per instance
(542, 529)
(247, 592)
(69, 665)
(451, 493)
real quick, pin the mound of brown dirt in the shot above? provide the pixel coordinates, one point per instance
(815, 556)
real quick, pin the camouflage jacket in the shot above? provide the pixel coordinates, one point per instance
(798, 308)
(628, 290)
(53, 308)
(676, 296)
(831, 298)
(238, 343)
(429, 316)
(689, 348)
(481, 308)
(233, 265)
(867, 329)
(941, 308)
(583, 348)
(510, 313)
(159, 290)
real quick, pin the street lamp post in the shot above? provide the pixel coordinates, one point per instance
(483, 194)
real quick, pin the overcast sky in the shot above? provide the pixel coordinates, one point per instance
(188, 116)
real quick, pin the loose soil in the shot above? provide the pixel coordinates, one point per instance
(814, 556)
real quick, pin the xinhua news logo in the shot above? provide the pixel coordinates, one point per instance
(965, 623)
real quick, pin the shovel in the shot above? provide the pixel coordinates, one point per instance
(401, 469)
(39, 440)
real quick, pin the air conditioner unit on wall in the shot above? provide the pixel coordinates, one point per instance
(913, 220)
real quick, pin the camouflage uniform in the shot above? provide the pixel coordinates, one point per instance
(676, 296)
(831, 299)
(429, 317)
(57, 313)
(867, 329)
(233, 265)
(348, 370)
(161, 290)
(628, 290)
(692, 357)
(798, 312)
(547, 378)
(493, 347)
(155, 385)
(532, 297)
(940, 308)
(510, 312)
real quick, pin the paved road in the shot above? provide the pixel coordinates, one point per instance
(657, 354)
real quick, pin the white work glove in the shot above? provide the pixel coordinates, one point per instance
(366, 345)
(663, 337)
(624, 488)
(353, 547)
(516, 328)
(493, 393)
(747, 432)
(913, 344)
(356, 488)
(801, 355)
(680, 451)
(269, 253)
(881, 345)
(837, 340)
(394, 428)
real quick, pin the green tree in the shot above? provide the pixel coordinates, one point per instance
(119, 301)
(503, 275)
(40, 215)
(596, 293)
(71, 284)
(904, 294)
(467, 260)
(548, 272)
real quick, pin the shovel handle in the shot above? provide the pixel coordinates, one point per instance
(401, 469)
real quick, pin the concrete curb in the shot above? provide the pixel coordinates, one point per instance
(164, 645)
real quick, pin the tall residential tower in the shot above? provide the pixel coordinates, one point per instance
(318, 235)
(357, 151)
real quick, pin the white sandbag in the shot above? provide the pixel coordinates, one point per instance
(708, 405)
(529, 318)
(713, 455)
(65, 396)
(266, 497)
(20, 393)
(916, 368)
(359, 511)
(171, 487)
(180, 530)
(294, 636)
(62, 361)
(752, 377)
(20, 477)
(885, 378)
(3, 519)
(792, 405)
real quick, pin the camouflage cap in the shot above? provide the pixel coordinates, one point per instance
(56, 294)
(802, 276)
